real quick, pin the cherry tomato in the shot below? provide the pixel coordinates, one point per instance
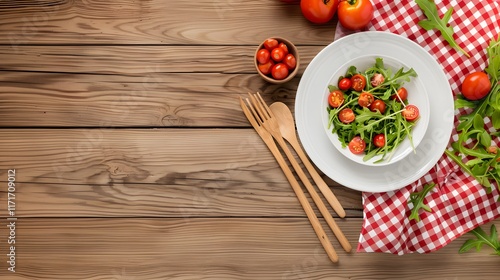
(355, 14)
(344, 84)
(336, 98)
(346, 115)
(279, 71)
(411, 113)
(365, 99)
(290, 61)
(379, 140)
(318, 11)
(401, 95)
(284, 47)
(263, 56)
(270, 44)
(378, 105)
(358, 82)
(277, 54)
(357, 145)
(266, 68)
(476, 86)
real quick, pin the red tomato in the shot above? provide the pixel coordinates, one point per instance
(336, 98)
(346, 115)
(358, 82)
(365, 99)
(284, 47)
(355, 14)
(266, 68)
(378, 105)
(270, 44)
(263, 56)
(401, 95)
(318, 11)
(357, 145)
(344, 84)
(290, 61)
(411, 113)
(476, 86)
(379, 140)
(279, 71)
(277, 54)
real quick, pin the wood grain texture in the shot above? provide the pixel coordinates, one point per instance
(274, 248)
(138, 60)
(154, 99)
(222, 22)
(105, 172)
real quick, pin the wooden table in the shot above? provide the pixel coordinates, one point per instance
(133, 159)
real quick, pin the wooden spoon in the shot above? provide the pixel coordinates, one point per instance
(287, 129)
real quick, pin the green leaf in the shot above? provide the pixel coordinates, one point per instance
(433, 21)
(464, 103)
(485, 139)
(482, 238)
(351, 71)
(478, 122)
(495, 119)
(332, 88)
(417, 199)
(493, 52)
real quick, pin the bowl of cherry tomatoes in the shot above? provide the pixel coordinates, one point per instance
(277, 60)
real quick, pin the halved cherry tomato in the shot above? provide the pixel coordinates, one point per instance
(476, 86)
(411, 113)
(378, 105)
(266, 67)
(365, 99)
(290, 61)
(344, 84)
(346, 115)
(318, 11)
(358, 82)
(401, 95)
(279, 71)
(263, 56)
(379, 140)
(270, 44)
(277, 54)
(357, 145)
(336, 98)
(355, 14)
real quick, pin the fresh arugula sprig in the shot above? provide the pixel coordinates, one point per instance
(482, 239)
(417, 199)
(433, 20)
(478, 160)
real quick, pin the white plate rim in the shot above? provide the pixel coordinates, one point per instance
(318, 146)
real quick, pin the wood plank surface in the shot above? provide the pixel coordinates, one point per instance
(155, 99)
(224, 22)
(217, 248)
(104, 172)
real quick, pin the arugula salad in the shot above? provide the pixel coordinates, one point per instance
(369, 110)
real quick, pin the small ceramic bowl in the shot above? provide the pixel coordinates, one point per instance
(292, 49)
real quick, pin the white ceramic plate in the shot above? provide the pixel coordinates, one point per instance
(417, 95)
(316, 143)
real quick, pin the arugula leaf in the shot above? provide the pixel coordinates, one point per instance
(482, 239)
(433, 20)
(477, 161)
(417, 199)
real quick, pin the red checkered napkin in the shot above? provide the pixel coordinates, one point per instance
(459, 203)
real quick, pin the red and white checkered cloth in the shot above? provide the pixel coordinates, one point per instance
(459, 203)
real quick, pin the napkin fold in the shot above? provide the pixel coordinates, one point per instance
(459, 203)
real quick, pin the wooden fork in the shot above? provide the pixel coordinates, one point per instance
(270, 123)
(254, 119)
